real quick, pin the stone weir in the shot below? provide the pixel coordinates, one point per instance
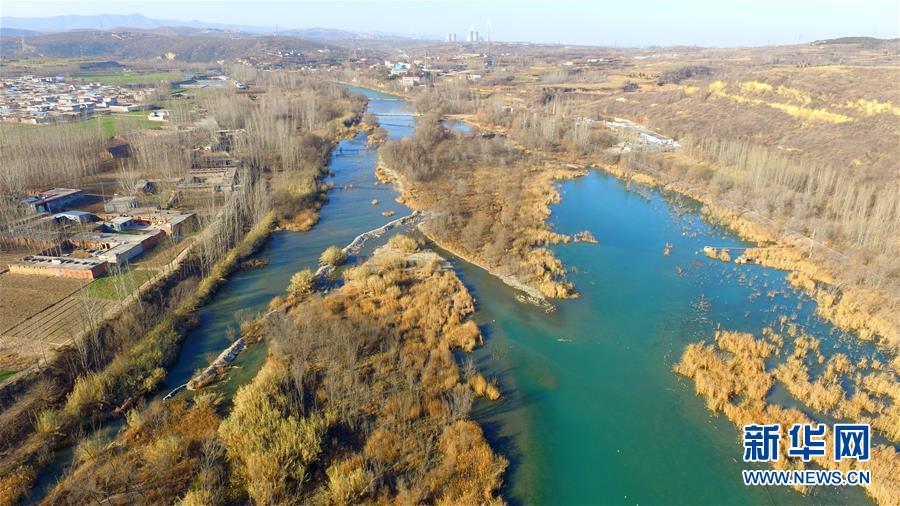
(357, 243)
(225, 358)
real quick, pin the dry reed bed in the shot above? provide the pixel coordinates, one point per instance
(359, 400)
(487, 202)
(731, 375)
(384, 374)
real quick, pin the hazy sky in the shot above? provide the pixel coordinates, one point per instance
(636, 23)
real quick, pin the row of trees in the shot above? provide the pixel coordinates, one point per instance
(857, 210)
(35, 156)
(433, 152)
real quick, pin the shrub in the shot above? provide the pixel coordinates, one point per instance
(16, 484)
(466, 336)
(469, 472)
(403, 243)
(269, 445)
(88, 449)
(49, 421)
(333, 256)
(87, 393)
(484, 388)
(197, 497)
(347, 480)
(302, 283)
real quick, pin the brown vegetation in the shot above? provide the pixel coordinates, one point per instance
(487, 202)
(124, 360)
(731, 376)
(371, 365)
(165, 449)
(333, 256)
(360, 400)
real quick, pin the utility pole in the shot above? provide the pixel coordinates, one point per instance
(489, 62)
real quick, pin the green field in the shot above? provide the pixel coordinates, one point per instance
(118, 286)
(124, 78)
(39, 62)
(5, 374)
(110, 125)
(120, 124)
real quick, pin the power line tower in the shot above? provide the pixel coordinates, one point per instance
(489, 61)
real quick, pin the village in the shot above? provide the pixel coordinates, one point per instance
(39, 100)
(76, 255)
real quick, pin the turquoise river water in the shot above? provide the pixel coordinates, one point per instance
(594, 413)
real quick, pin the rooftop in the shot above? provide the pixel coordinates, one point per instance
(51, 194)
(61, 262)
(72, 214)
(121, 220)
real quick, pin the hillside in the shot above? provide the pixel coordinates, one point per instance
(134, 44)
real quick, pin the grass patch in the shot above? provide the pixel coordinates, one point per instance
(39, 61)
(120, 124)
(119, 286)
(110, 125)
(5, 374)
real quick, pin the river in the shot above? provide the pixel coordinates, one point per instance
(246, 294)
(592, 412)
(348, 213)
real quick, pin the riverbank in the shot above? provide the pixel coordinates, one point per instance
(494, 216)
(377, 85)
(390, 176)
(867, 312)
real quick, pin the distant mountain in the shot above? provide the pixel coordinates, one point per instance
(203, 45)
(323, 33)
(16, 32)
(98, 22)
(865, 41)
(14, 26)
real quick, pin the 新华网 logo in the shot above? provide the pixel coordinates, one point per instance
(762, 442)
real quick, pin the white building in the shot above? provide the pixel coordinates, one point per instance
(160, 115)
